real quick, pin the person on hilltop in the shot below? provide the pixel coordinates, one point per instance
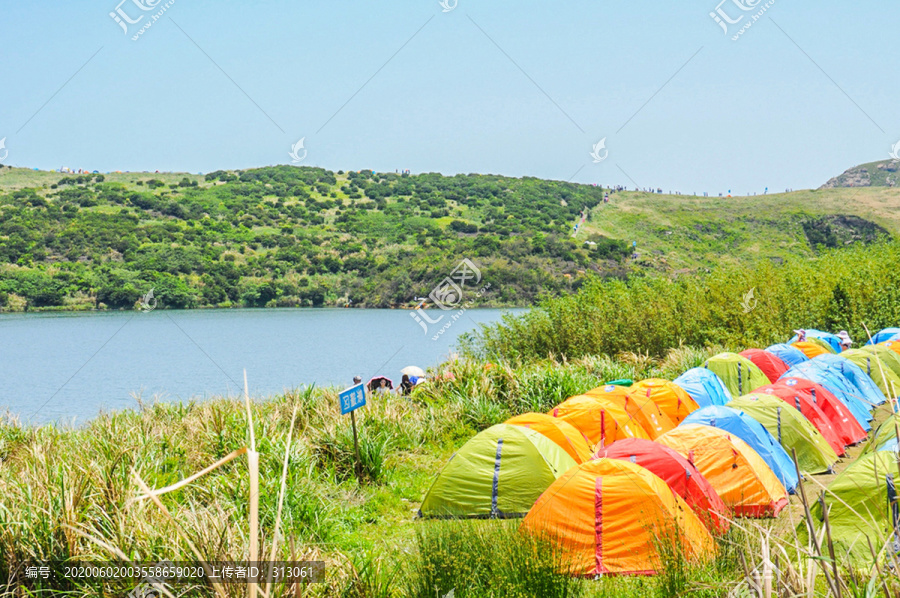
(846, 342)
(405, 385)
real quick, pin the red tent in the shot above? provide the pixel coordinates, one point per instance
(678, 473)
(771, 365)
(804, 403)
(844, 426)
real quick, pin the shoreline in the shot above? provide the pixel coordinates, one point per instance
(66, 309)
(142, 406)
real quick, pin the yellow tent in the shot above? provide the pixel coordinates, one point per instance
(559, 431)
(645, 412)
(668, 396)
(600, 420)
(736, 471)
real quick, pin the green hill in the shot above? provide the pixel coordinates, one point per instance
(302, 236)
(681, 233)
(874, 174)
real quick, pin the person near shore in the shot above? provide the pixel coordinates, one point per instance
(846, 342)
(405, 385)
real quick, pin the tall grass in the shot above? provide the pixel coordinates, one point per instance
(838, 290)
(485, 558)
(483, 394)
(60, 487)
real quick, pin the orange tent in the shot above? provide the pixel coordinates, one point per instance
(608, 516)
(609, 391)
(810, 349)
(646, 413)
(559, 431)
(736, 471)
(668, 396)
(601, 421)
(892, 345)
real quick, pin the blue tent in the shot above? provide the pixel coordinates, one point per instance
(704, 386)
(884, 335)
(839, 386)
(788, 354)
(832, 339)
(855, 374)
(753, 433)
(889, 445)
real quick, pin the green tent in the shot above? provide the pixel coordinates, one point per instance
(738, 373)
(883, 433)
(862, 502)
(881, 364)
(499, 473)
(790, 428)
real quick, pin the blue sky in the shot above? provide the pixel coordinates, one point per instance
(520, 88)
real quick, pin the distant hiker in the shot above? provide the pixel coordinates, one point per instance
(845, 340)
(801, 335)
(405, 385)
(357, 380)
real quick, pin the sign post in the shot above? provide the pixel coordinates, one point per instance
(352, 399)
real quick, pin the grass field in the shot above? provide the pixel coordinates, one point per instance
(675, 232)
(71, 493)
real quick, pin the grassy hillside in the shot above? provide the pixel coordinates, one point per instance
(874, 174)
(284, 236)
(677, 232)
(289, 236)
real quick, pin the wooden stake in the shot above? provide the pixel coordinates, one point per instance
(356, 447)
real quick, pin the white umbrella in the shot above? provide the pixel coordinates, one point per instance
(412, 370)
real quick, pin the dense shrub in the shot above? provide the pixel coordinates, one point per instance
(376, 239)
(737, 306)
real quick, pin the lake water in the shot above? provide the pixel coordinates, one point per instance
(60, 367)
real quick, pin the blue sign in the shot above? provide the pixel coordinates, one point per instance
(353, 398)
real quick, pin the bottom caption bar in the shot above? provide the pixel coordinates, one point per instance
(170, 573)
